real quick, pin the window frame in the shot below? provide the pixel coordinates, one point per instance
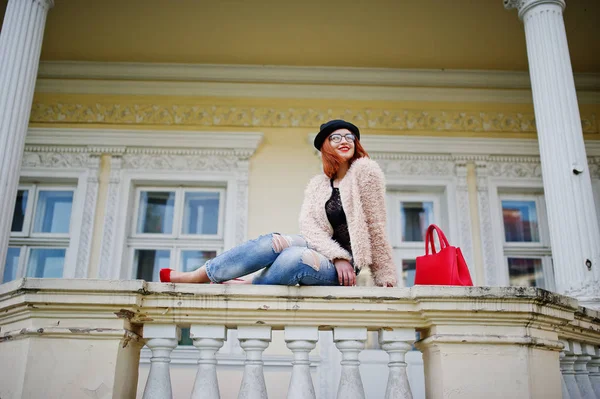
(34, 181)
(176, 242)
(396, 198)
(121, 259)
(540, 208)
(516, 189)
(178, 212)
(45, 187)
(28, 212)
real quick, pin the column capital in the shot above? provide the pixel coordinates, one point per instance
(523, 6)
(47, 4)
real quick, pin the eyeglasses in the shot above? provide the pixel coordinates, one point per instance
(337, 138)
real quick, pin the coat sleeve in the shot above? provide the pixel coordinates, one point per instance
(316, 230)
(372, 182)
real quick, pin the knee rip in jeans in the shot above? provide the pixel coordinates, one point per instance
(311, 258)
(281, 242)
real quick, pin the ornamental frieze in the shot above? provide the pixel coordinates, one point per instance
(247, 116)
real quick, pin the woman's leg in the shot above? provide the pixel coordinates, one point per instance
(239, 261)
(298, 265)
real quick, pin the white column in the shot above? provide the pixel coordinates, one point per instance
(396, 343)
(574, 230)
(254, 340)
(301, 340)
(161, 339)
(20, 48)
(350, 341)
(208, 340)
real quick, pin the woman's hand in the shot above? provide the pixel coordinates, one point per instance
(345, 272)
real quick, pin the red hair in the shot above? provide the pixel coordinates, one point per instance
(332, 161)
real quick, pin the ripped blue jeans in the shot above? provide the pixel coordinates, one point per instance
(284, 260)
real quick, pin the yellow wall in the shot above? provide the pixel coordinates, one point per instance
(279, 171)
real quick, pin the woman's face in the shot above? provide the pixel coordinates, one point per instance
(342, 141)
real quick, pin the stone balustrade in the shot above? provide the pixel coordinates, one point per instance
(72, 338)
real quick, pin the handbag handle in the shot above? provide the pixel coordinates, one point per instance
(430, 242)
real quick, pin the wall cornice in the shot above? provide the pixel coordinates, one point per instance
(114, 141)
(296, 91)
(298, 75)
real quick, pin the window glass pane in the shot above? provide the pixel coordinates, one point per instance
(150, 261)
(155, 215)
(409, 267)
(191, 260)
(46, 262)
(416, 217)
(201, 213)
(11, 265)
(19, 213)
(520, 221)
(526, 272)
(53, 212)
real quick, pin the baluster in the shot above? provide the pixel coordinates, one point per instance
(208, 340)
(565, 391)
(301, 340)
(396, 343)
(161, 339)
(254, 340)
(350, 341)
(594, 367)
(582, 375)
(567, 368)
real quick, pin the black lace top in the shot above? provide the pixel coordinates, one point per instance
(337, 218)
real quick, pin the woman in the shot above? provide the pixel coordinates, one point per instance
(342, 226)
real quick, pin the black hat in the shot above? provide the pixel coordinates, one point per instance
(332, 126)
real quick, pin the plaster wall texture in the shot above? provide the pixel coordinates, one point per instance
(519, 372)
(77, 367)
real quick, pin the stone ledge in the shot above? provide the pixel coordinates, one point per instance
(103, 304)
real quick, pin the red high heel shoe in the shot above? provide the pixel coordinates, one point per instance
(165, 275)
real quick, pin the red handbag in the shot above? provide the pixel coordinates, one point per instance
(446, 267)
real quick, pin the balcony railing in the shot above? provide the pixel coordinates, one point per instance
(69, 338)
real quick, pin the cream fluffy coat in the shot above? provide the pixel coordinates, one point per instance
(362, 191)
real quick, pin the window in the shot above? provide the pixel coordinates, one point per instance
(178, 228)
(410, 215)
(526, 244)
(40, 232)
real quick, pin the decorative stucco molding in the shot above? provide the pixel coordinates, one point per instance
(514, 167)
(488, 246)
(108, 232)
(87, 219)
(298, 116)
(464, 214)
(414, 165)
(179, 162)
(594, 167)
(54, 157)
